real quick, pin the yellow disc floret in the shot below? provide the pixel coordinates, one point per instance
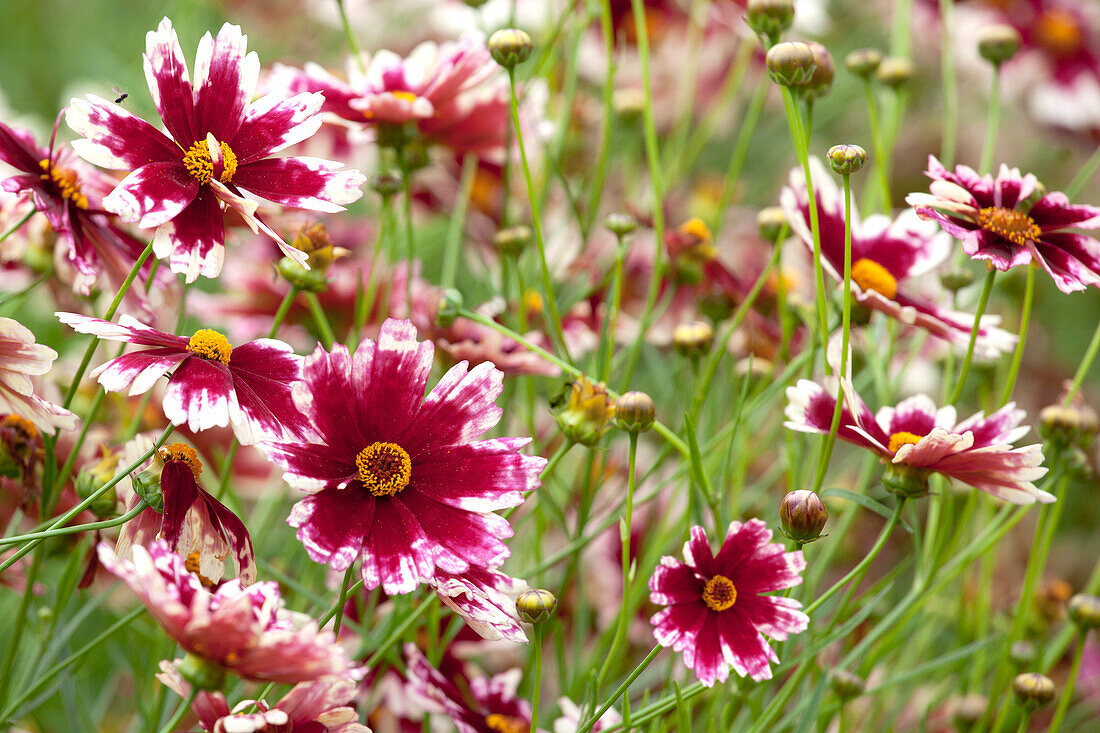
(66, 181)
(897, 440)
(870, 275)
(210, 344)
(182, 452)
(384, 468)
(200, 165)
(506, 723)
(719, 593)
(1015, 226)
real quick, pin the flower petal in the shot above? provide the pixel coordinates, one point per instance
(332, 525)
(169, 85)
(307, 183)
(225, 78)
(273, 122)
(115, 139)
(153, 194)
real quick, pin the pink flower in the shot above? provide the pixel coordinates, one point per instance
(485, 598)
(998, 221)
(212, 383)
(321, 706)
(218, 146)
(400, 480)
(244, 629)
(572, 717)
(886, 254)
(716, 613)
(20, 359)
(916, 439)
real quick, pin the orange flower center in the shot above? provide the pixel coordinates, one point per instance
(1015, 226)
(719, 593)
(21, 425)
(897, 440)
(506, 723)
(1058, 31)
(182, 452)
(192, 562)
(200, 165)
(65, 180)
(210, 344)
(384, 468)
(870, 275)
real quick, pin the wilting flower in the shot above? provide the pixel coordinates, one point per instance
(399, 479)
(322, 706)
(194, 524)
(243, 629)
(486, 598)
(20, 359)
(885, 255)
(218, 145)
(999, 220)
(212, 383)
(916, 439)
(716, 613)
(69, 194)
(479, 705)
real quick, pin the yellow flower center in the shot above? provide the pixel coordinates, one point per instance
(870, 275)
(65, 180)
(192, 562)
(384, 468)
(200, 165)
(182, 452)
(533, 302)
(210, 344)
(20, 425)
(719, 593)
(1058, 31)
(1015, 226)
(506, 723)
(897, 440)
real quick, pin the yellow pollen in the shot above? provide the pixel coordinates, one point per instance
(533, 301)
(384, 468)
(65, 180)
(182, 452)
(1058, 31)
(697, 228)
(210, 344)
(719, 593)
(20, 424)
(870, 275)
(506, 723)
(200, 165)
(1015, 226)
(193, 563)
(897, 440)
(407, 96)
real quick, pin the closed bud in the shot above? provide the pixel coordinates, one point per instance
(475, 3)
(802, 516)
(821, 80)
(635, 412)
(967, 711)
(771, 222)
(147, 485)
(450, 303)
(587, 412)
(863, 62)
(510, 46)
(693, 339)
(513, 240)
(536, 605)
(998, 43)
(386, 184)
(201, 673)
(92, 478)
(895, 71)
(846, 159)
(769, 18)
(846, 684)
(1033, 690)
(908, 481)
(956, 280)
(620, 224)
(1022, 653)
(311, 280)
(791, 63)
(1084, 610)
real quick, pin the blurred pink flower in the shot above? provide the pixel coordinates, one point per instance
(20, 359)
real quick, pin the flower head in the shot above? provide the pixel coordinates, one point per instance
(997, 222)
(486, 598)
(716, 613)
(398, 479)
(212, 382)
(218, 145)
(243, 629)
(20, 359)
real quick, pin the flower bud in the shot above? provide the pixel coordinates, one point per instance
(968, 711)
(450, 303)
(769, 18)
(386, 184)
(1022, 653)
(821, 80)
(1068, 425)
(693, 339)
(396, 135)
(863, 62)
(475, 3)
(846, 159)
(956, 280)
(513, 240)
(147, 485)
(536, 605)
(998, 43)
(908, 481)
(634, 412)
(791, 63)
(846, 684)
(895, 71)
(802, 516)
(771, 222)
(92, 478)
(510, 46)
(201, 673)
(1084, 610)
(1033, 690)
(587, 413)
(620, 224)
(311, 280)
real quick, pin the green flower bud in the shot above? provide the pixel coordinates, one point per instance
(863, 62)
(635, 412)
(968, 711)
(620, 224)
(450, 303)
(1033, 690)
(1022, 653)
(956, 280)
(791, 63)
(201, 673)
(513, 240)
(896, 72)
(587, 412)
(693, 339)
(821, 80)
(386, 184)
(395, 135)
(846, 159)
(535, 606)
(998, 43)
(1084, 610)
(147, 485)
(510, 46)
(769, 18)
(908, 481)
(846, 684)
(802, 516)
(771, 221)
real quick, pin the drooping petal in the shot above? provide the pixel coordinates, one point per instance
(307, 183)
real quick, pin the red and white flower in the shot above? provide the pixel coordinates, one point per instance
(399, 479)
(20, 359)
(218, 146)
(486, 598)
(212, 383)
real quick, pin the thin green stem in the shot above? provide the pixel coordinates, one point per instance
(881, 161)
(321, 320)
(950, 89)
(342, 600)
(964, 370)
(1088, 170)
(399, 632)
(536, 692)
(181, 712)
(18, 225)
(76, 529)
(15, 630)
(353, 47)
(1025, 322)
(1084, 366)
(611, 317)
(993, 126)
(741, 147)
(453, 243)
(1067, 689)
(20, 293)
(621, 689)
(595, 192)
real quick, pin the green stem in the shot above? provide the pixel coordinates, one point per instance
(611, 317)
(342, 601)
(399, 632)
(1084, 366)
(348, 35)
(181, 712)
(15, 635)
(1088, 170)
(20, 293)
(18, 225)
(741, 148)
(950, 90)
(321, 320)
(536, 693)
(881, 162)
(621, 689)
(989, 147)
(964, 371)
(1025, 321)
(105, 524)
(1067, 690)
(595, 192)
(453, 245)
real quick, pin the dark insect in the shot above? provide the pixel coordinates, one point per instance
(121, 95)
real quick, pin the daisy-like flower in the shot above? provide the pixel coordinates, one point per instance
(20, 359)
(398, 479)
(194, 524)
(716, 612)
(218, 146)
(322, 706)
(915, 440)
(1004, 221)
(485, 598)
(212, 383)
(886, 253)
(245, 630)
